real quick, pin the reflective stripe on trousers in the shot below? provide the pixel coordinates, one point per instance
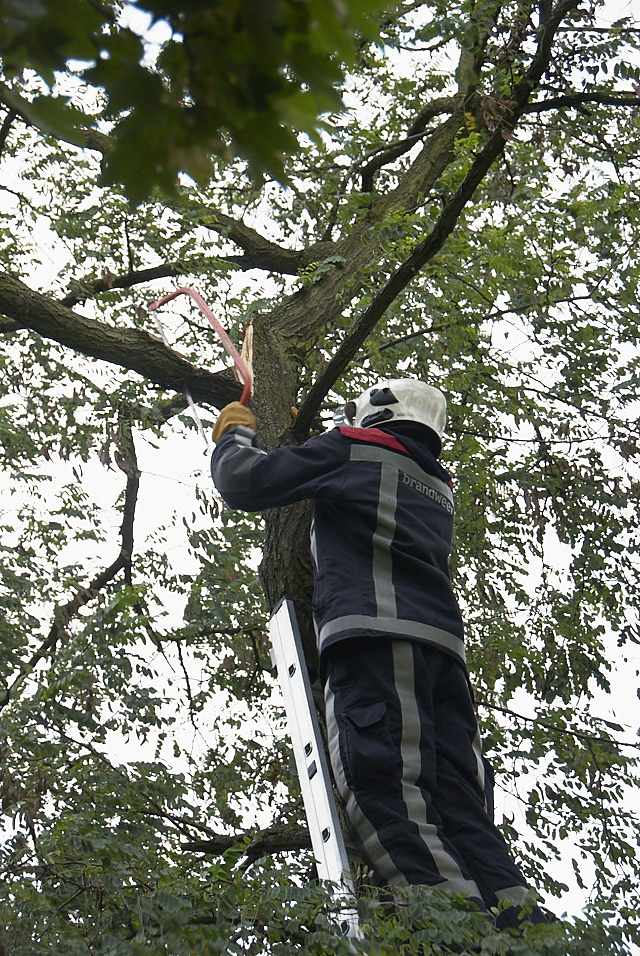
(406, 755)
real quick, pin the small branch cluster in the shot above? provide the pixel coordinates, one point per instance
(63, 615)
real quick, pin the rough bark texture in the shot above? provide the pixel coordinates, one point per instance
(286, 569)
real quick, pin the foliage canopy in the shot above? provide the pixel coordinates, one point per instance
(233, 78)
(471, 218)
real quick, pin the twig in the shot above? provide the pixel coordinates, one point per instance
(165, 271)
(580, 99)
(409, 336)
(181, 822)
(580, 734)
(53, 916)
(188, 686)
(63, 615)
(190, 633)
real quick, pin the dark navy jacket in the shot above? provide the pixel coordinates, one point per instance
(381, 532)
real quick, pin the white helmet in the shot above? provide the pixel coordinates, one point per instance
(398, 400)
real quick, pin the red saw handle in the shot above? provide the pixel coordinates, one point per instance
(222, 334)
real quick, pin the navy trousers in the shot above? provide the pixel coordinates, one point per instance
(407, 759)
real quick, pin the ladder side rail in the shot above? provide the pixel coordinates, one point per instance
(311, 762)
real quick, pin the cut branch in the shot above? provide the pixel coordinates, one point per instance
(129, 348)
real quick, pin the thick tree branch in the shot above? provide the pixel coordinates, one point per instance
(94, 139)
(127, 462)
(551, 20)
(568, 100)
(263, 253)
(133, 349)
(386, 155)
(373, 160)
(403, 275)
(464, 101)
(10, 325)
(278, 839)
(306, 311)
(88, 290)
(302, 315)
(444, 226)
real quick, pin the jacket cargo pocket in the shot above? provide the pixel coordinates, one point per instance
(371, 758)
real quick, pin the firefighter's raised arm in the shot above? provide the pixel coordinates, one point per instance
(250, 479)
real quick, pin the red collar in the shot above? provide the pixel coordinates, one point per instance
(374, 436)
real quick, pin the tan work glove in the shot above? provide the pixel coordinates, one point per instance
(233, 414)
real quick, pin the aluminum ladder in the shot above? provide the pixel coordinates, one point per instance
(327, 842)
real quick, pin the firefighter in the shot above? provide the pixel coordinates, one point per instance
(403, 738)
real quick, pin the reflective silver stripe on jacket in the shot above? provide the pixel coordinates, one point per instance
(412, 473)
(386, 620)
(382, 539)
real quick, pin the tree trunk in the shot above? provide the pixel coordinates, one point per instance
(286, 569)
